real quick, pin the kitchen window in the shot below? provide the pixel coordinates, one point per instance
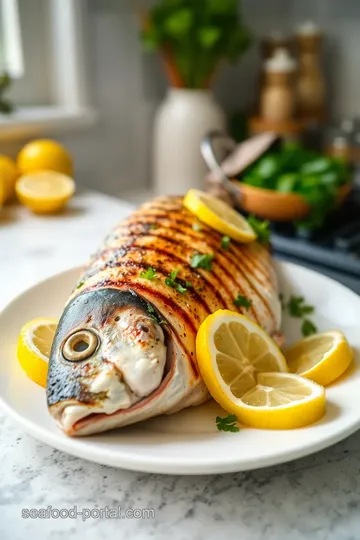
(42, 48)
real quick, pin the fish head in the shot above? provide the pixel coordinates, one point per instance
(109, 353)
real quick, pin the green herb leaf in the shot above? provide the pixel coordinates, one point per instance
(261, 229)
(150, 308)
(225, 242)
(188, 285)
(242, 301)
(308, 328)
(174, 285)
(228, 423)
(149, 274)
(80, 284)
(298, 308)
(196, 227)
(153, 226)
(174, 274)
(200, 260)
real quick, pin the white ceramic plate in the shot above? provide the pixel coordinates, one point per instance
(188, 442)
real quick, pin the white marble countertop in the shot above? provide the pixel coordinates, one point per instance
(317, 498)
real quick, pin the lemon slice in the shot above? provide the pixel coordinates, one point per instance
(34, 346)
(45, 192)
(231, 350)
(321, 358)
(219, 215)
(281, 401)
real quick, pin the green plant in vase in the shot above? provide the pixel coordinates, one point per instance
(194, 37)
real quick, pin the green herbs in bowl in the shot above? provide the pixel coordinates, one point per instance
(310, 183)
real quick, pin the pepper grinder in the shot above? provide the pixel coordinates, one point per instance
(310, 87)
(277, 100)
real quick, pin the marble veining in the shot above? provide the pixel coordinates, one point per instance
(315, 498)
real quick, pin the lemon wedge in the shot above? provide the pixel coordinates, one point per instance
(219, 216)
(45, 192)
(321, 358)
(281, 401)
(231, 350)
(34, 346)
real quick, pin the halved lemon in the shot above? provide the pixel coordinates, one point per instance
(45, 192)
(231, 351)
(281, 401)
(219, 215)
(321, 358)
(34, 346)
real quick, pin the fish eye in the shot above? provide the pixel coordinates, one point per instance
(80, 345)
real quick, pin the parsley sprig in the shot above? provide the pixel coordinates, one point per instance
(152, 314)
(308, 328)
(149, 274)
(297, 307)
(225, 242)
(261, 229)
(201, 260)
(172, 282)
(242, 301)
(228, 423)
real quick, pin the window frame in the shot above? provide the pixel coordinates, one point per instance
(70, 107)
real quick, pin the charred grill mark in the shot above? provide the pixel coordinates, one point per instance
(206, 276)
(213, 240)
(158, 269)
(179, 242)
(214, 243)
(171, 257)
(210, 237)
(167, 301)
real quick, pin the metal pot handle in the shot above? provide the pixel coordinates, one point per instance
(208, 153)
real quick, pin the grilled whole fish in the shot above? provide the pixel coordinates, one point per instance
(124, 350)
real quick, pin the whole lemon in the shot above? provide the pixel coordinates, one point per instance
(8, 176)
(45, 154)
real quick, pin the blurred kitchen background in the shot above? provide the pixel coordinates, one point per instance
(80, 75)
(124, 85)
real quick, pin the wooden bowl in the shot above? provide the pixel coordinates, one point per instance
(277, 206)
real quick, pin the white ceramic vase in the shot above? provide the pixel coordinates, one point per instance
(181, 122)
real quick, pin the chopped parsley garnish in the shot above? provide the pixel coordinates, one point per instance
(174, 285)
(172, 282)
(225, 242)
(242, 301)
(200, 260)
(298, 308)
(153, 226)
(308, 328)
(196, 227)
(174, 273)
(153, 317)
(80, 284)
(261, 229)
(149, 274)
(228, 423)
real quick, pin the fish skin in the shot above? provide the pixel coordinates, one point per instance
(160, 235)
